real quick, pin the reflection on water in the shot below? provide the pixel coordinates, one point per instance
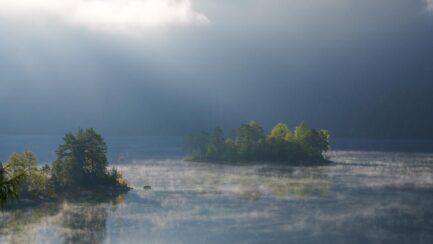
(69, 223)
(362, 198)
(79, 223)
(240, 181)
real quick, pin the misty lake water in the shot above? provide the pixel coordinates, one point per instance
(364, 197)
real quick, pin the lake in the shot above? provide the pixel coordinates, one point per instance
(364, 197)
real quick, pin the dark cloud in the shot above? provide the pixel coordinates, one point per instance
(359, 68)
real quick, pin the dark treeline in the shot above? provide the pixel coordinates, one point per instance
(251, 144)
(81, 165)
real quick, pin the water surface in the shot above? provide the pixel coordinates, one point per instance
(365, 197)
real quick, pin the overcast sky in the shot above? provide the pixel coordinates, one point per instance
(361, 69)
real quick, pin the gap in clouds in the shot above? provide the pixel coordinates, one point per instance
(107, 15)
(429, 5)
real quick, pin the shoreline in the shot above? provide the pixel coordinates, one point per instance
(82, 195)
(305, 163)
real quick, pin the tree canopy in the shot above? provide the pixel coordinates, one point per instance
(82, 162)
(34, 180)
(251, 144)
(9, 184)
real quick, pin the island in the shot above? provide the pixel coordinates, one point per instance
(303, 146)
(80, 172)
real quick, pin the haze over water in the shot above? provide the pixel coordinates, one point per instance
(146, 73)
(364, 197)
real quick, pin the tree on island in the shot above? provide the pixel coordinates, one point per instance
(35, 180)
(21, 177)
(9, 185)
(251, 144)
(82, 163)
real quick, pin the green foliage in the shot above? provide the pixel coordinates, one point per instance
(9, 184)
(82, 162)
(196, 144)
(250, 133)
(25, 161)
(115, 176)
(34, 181)
(301, 132)
(251, 144)
(281, 132)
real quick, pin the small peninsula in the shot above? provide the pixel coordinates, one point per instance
(303, 146)
(80, 172)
